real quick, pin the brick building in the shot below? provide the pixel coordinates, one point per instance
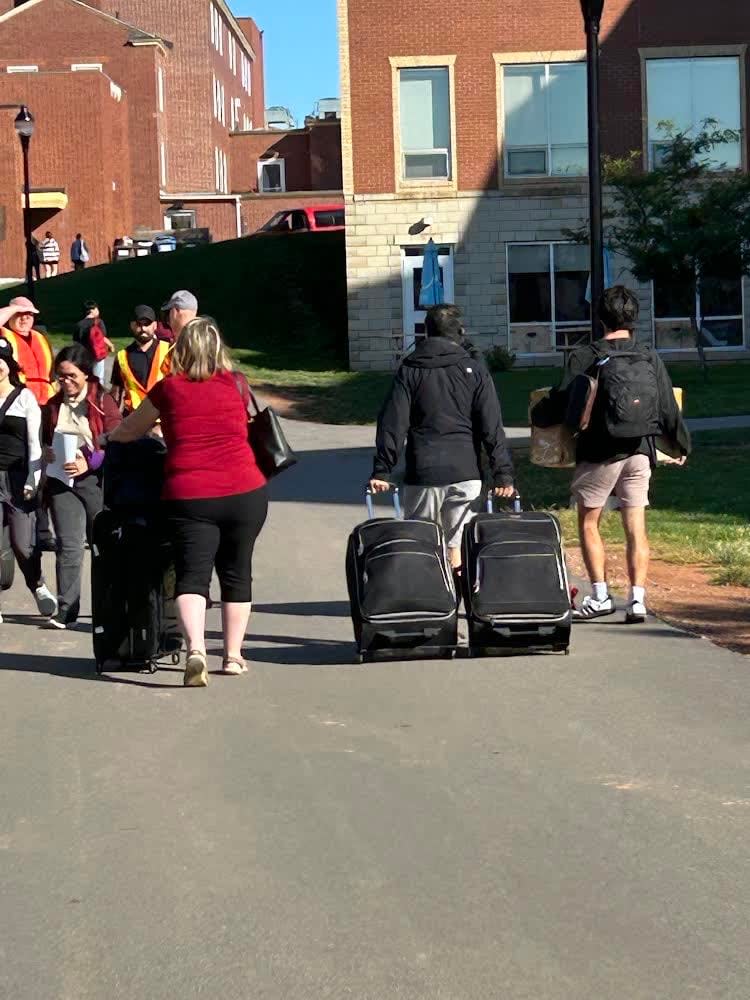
(473, 132)
(287, 169)
(135, 102)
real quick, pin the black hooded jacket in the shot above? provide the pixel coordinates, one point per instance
(443, 402)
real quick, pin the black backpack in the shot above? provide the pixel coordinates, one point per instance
(627, 397)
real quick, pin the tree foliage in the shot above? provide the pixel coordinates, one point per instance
(684, 218)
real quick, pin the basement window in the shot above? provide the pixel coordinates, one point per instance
(22, 69)
(84, 67)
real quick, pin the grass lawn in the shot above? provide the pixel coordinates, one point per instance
(342, 397)
(700, 514)
(282, 305)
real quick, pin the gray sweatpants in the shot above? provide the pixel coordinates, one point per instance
(73, 512)
(451, 506)
(21, 517)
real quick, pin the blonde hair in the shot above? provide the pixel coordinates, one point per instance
(200, 352)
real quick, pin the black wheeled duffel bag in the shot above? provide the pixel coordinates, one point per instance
(515, 583)
(401, 590)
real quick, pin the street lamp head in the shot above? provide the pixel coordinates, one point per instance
(24, 123)
(592, 11)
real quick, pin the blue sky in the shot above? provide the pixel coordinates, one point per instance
(301, 50)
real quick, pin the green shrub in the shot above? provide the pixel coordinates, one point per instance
(500, 359)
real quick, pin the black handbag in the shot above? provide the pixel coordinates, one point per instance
(265, 435)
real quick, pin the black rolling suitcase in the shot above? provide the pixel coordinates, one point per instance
(515, 583)
(132, 577)
(401, 590)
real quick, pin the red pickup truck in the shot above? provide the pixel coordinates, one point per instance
(311, 219)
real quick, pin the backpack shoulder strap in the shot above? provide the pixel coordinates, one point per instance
(9, 401)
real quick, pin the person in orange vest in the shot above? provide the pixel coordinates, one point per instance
(31, 349)
(139, 366)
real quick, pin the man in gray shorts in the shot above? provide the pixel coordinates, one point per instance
(444, 404)
(612, 465)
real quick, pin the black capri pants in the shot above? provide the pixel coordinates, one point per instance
(220, 532)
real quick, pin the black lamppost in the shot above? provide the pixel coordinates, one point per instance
(592, 17)
(25, 129)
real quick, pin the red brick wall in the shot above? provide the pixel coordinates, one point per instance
(312, 157)
(325, 156)
(255, 36)
(379, 29)
(256, 212)
(218, 216)
(67, 153)
(193, 131)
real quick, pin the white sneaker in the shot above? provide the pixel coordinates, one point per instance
(590, 609)
(46, 601)
(636, 613)
(1, 618)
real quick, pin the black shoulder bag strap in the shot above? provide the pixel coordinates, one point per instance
(9, 401)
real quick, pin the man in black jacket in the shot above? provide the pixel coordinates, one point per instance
(609, 465)
(444, 404)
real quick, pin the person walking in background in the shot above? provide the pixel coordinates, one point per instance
(216, 501)
(81, 408)
(36, 264)
(49, 252)
(444, 404)
(79, 253)
(91, 333)
(138, 367)
(616, 453)
(20, 475)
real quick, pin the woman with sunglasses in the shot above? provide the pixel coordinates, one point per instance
(84, 409)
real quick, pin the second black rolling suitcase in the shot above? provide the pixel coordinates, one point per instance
(401, 590)
(515, 583)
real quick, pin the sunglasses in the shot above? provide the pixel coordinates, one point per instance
(69, 378)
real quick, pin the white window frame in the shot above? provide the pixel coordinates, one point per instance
(226, 172)
(169, 216)
(552, 322)
(220, 33)
(22, 69)
(86, 67)
(163, 162)
(448, 176)
(217, 169)
(413, 184)
(160, 87)
(548, 147)
(276, 161)
(700, 317)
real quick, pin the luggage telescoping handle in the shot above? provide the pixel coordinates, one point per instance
(371, 506)
(516, 501)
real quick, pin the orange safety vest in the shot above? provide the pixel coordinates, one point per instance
(40, 384)
(135, 393)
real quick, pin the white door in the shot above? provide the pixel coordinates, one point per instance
(412, 262)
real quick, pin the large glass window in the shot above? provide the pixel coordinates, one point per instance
(424, 98)
(715, 301)
(547, 288)
(687, 92)
(545, 123)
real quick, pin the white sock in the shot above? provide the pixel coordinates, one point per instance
(638, 595)
(601, 591)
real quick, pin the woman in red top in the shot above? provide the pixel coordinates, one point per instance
(215, 494)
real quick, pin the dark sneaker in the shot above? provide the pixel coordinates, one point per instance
(635, 613)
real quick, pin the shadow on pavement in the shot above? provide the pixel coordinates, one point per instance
(296, 651)
(322, 609)
(79, 668)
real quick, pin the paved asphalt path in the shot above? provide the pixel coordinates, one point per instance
(521, 829)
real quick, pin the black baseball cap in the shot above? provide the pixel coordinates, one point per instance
(144, 313)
